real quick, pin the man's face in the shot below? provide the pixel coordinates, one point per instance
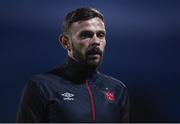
(87, 39)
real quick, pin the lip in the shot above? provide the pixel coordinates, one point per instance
(94, 55)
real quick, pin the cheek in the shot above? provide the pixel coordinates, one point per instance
(81, 46)
(103, 45)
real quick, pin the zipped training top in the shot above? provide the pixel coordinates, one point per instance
(70, 94)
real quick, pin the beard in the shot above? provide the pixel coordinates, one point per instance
(92, 58)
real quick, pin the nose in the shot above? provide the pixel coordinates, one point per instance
(95, 41)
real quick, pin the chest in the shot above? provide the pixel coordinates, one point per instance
(83, 103)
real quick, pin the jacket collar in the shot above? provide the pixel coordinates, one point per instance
(75, 72)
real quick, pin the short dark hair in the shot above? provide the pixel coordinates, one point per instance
(80, 14)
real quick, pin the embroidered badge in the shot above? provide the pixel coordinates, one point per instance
(110, 96)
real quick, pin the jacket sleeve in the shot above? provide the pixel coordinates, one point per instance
(32, 103)
(125, 105)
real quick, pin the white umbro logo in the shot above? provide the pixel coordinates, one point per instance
(67, 96)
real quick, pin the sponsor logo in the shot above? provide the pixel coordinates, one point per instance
(67, 96)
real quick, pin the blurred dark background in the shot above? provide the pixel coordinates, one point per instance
(143, 51)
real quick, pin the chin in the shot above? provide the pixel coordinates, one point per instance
(93, 64)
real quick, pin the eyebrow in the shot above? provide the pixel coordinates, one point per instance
(104, 31)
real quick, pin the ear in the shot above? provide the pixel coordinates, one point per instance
(64, 40)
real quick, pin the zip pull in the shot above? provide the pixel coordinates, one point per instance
(91, 101)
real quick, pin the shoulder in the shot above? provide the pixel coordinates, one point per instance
(42, 80)
(49, 76)
(38, 81)
(111, 80)
(43, 84)
(42, 77)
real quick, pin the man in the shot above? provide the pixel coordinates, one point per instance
(77, 92)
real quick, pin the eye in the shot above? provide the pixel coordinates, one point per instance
(101, 34)
(86, 34)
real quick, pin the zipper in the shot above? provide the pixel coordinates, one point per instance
(91, 101)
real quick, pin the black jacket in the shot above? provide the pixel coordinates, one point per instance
(73, 94)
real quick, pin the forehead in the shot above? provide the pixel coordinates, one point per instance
(94, 24)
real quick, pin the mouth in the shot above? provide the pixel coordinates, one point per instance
(94, 57)
(94, 54)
